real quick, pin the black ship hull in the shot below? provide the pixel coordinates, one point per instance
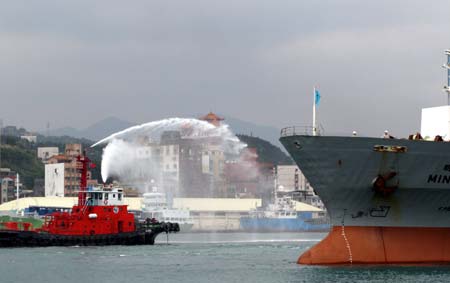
(13, 238)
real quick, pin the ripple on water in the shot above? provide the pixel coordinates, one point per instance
(244, 261)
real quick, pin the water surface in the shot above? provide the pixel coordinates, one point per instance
(221, 257)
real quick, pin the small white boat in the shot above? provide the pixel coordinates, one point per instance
(155, 205)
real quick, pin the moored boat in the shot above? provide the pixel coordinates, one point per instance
(282, 216)
(155, 206)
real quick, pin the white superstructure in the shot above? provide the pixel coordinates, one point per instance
(435, 121)
(154, 205)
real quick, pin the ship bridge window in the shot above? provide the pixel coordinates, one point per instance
(106, 196)
(100, 196)
(119, 196)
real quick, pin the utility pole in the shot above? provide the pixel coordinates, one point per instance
(17, 186)
(1, 131)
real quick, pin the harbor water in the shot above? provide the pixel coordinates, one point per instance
(219, 257)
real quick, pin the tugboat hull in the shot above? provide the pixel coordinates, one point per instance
(17, 238)
(33, 239)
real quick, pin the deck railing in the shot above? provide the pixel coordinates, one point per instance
(300, 130)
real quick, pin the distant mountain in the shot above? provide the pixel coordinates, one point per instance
(105, 128)
(66, 131)
(268, 133)
(96, 131)
(111, 125)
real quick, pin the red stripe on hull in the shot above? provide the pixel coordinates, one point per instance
(380, 245)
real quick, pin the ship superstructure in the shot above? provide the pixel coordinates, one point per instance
(282, 216)
(156, 206)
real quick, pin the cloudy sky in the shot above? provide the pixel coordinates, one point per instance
(72, 63)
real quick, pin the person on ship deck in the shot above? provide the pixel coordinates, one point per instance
(386, 135)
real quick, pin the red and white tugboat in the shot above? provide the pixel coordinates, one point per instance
(99, 218)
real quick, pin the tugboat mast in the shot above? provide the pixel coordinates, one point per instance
(447, 66)
(83, 162)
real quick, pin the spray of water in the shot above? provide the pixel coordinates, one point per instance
(130, 154)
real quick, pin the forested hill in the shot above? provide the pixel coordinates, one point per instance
(21, 156)
(267, 152)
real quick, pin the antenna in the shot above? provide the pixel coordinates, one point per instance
(447, 66)
(48, 129)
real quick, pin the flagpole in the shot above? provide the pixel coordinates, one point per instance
(314, 112)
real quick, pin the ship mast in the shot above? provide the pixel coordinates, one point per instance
(82, 165)
(1, 131)
(314, 113)
(447, 66)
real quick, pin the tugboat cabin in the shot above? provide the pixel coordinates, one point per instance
(102, 211)
(95, 196)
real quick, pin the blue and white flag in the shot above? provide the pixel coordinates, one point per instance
(316, 97)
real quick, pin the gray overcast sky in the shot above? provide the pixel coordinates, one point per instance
(376, 63)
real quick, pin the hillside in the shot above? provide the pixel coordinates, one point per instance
(267, 152)
(21, 156)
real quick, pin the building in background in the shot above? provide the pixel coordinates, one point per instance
(290, 180)
(212, 119)
(182, 165)
(73, 150)
(246, 177)
(39, 187)
(14, 131)
(70, 175)
(55, 180)
(8, 190)
(29, 138)
(45, 153)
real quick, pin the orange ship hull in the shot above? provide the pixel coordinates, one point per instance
(380, 245)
